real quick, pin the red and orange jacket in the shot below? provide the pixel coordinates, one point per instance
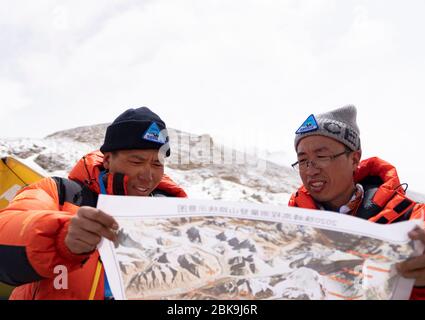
(34, 225)
(384, 201)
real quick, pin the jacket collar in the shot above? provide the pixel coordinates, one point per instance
(374, 174)
(377, 173)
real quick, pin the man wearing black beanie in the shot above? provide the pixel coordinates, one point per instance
(54, 222)
(137, 129)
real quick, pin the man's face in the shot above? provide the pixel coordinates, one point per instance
(144, 169)
(333, 184)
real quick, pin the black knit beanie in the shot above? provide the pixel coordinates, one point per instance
(136, 129)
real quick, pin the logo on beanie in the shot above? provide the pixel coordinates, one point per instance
(154, 134)
(310, 124)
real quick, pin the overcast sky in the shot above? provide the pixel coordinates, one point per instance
(248, 72)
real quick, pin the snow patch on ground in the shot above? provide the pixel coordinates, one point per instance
(236, 176)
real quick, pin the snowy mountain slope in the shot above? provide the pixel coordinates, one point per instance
(206, 170)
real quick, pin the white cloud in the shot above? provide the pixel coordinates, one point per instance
(245, 71)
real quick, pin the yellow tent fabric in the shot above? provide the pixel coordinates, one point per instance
(13, 176)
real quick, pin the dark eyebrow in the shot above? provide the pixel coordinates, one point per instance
(136, 157)
(321, 149)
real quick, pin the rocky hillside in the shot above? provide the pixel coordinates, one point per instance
(205, 169)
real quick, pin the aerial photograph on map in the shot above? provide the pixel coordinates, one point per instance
(203, 257)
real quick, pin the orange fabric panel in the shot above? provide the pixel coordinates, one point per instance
(34, 220)
(419, 212)
(171, 187)
(302, 199)
(79, 285)
(87, 169)
(389, 213)
(418, 294)
(384, 170)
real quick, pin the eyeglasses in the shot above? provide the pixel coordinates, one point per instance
(320, 162)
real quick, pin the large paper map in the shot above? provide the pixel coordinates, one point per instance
(171, 248)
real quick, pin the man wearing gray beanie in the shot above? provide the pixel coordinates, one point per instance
(339, 124)
(335, 179)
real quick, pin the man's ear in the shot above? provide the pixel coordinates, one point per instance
(107, 160)
(356, 157)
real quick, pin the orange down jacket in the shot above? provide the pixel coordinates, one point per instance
(33, 229)
(384, 200)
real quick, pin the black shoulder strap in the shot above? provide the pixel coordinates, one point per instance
(368, 208)
(75, 193)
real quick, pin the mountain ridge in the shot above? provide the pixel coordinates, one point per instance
(204, 168)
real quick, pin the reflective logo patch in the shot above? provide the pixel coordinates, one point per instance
(154, 134)
(310, 124)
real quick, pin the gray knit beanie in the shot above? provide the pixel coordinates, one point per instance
(339, 124)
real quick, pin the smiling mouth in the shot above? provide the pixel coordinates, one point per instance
(317, 186)
(142, 191)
